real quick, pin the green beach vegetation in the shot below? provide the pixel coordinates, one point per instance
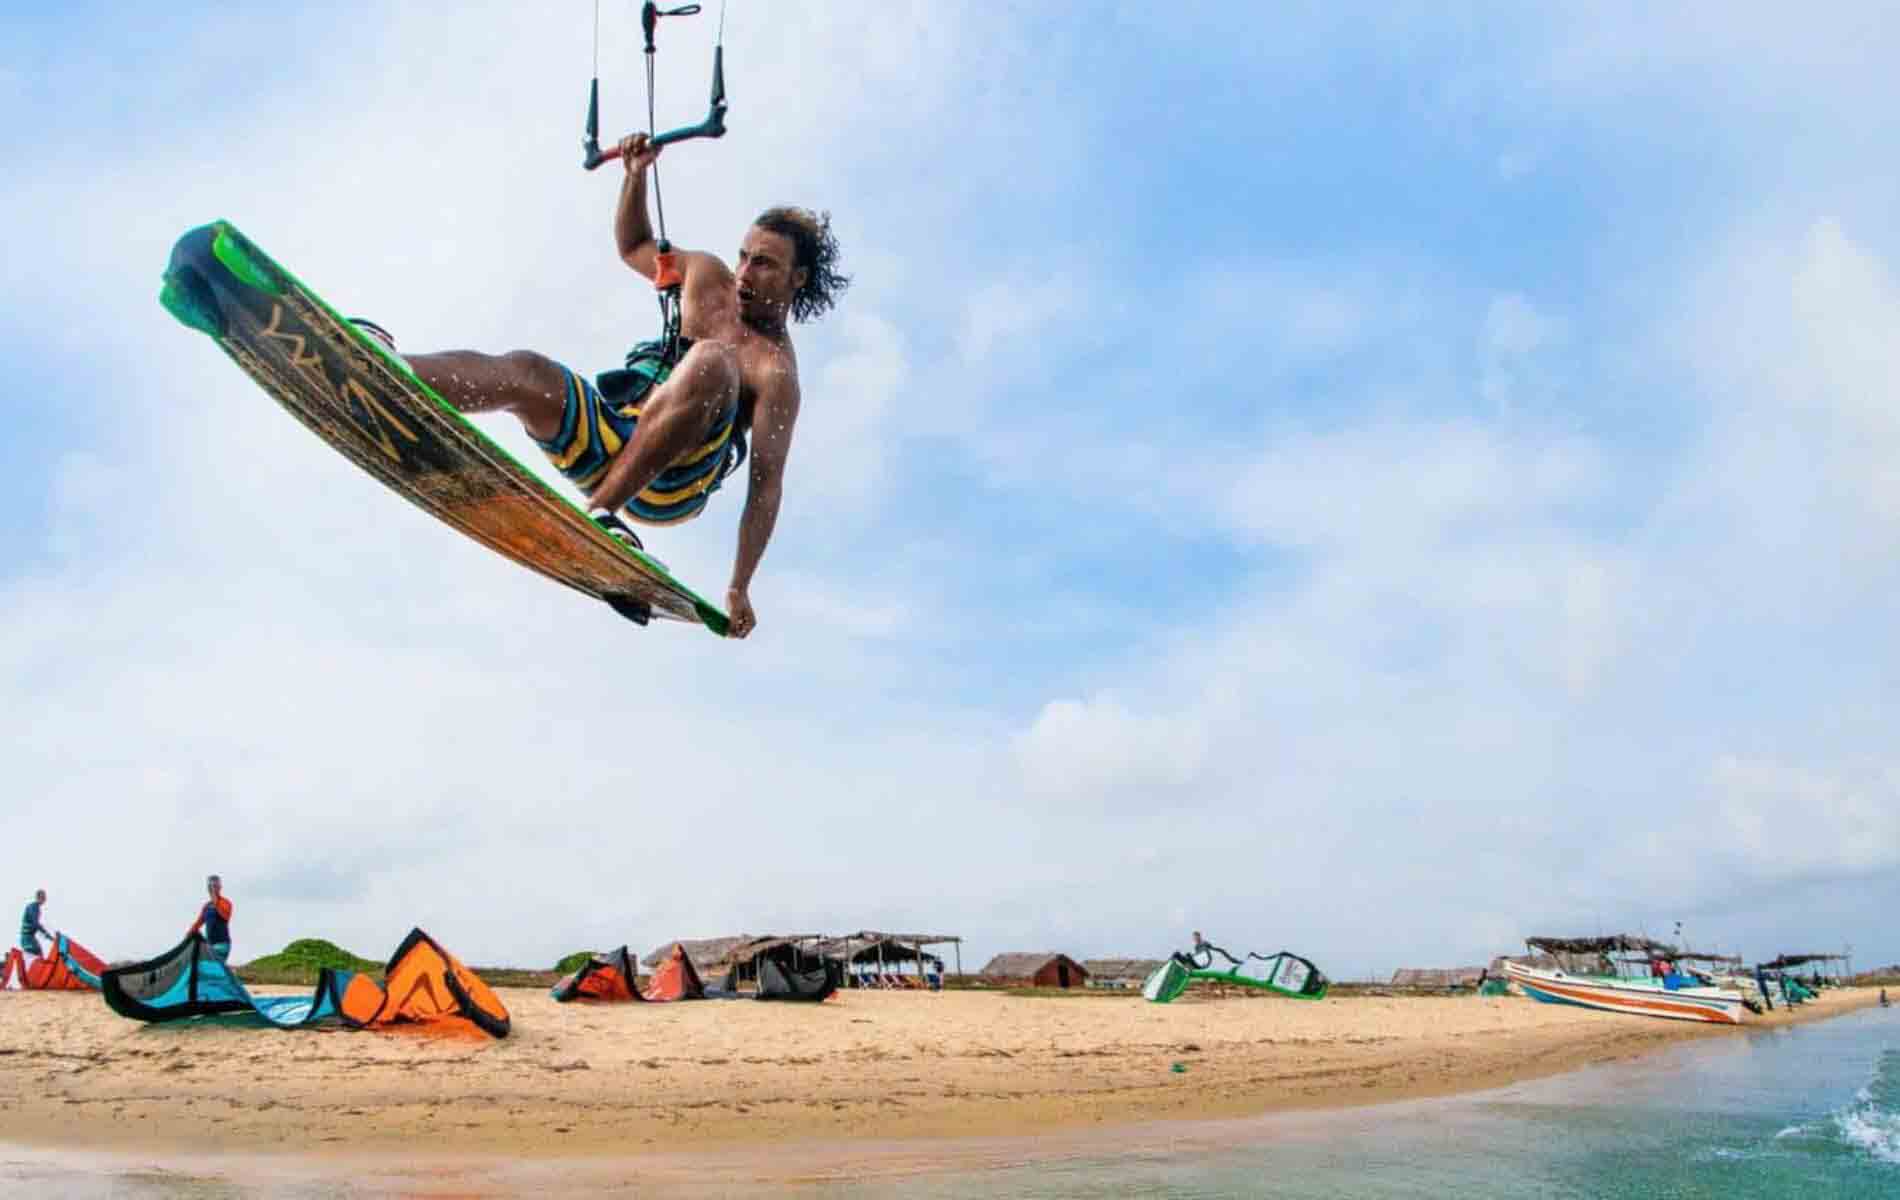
(301, 960)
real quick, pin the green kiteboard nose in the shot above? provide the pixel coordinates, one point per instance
(188, 297)
(245, 261)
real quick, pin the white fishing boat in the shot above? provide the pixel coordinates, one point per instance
(1670, 994)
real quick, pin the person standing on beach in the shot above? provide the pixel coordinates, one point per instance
(30, 927)
(215, 920)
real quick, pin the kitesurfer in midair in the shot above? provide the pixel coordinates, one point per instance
(656, 439)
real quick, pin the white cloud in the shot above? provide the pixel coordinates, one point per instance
(1405, 485)
(1779, 820)
(1096, 752)
(1846, 324)
(1301, 310)
(1795, 334)
(847, 426)
(1758, 824)
(1013, 311)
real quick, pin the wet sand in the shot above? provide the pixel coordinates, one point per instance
(578, 1081)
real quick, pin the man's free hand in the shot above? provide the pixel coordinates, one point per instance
(739, 608)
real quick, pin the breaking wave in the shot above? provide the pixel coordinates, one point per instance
(1872, 1122)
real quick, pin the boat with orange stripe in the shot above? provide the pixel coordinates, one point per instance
(1667, 992)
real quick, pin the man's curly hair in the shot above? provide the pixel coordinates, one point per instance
(815, 248)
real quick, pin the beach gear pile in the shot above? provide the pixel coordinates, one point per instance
(783, 974)
(423, 984)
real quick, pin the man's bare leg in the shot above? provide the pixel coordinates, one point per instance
(675, 418)
(529, 385)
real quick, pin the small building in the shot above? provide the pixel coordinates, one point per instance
(1120, 972)
(1438, 978)
(1036, 969)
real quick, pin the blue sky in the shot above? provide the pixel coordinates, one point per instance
(1384, 482)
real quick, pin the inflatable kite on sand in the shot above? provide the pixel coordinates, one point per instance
(1285, 973)
(610, 977)
(70, 968)
(616, 977)
(784, 974)
(422, 984)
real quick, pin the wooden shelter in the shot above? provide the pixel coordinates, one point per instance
(715, 958)
(871, 954)
(733, 960)
(1585, 955)
(1043, 968)
(1825, 969)
(1438, 978)
(1120, 972)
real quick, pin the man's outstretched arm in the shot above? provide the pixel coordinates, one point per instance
(633, 227)
(634, 237)
(772, 420)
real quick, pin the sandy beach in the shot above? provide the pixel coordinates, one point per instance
(577, 1081)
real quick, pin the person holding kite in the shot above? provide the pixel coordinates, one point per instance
(30, 927)
(214, 919)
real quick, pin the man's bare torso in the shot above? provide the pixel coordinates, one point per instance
(709, 312)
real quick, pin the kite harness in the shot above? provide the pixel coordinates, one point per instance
(667, 278)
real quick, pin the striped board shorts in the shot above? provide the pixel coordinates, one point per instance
(594, 428)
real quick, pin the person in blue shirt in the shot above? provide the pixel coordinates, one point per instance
(30, 927)
(214, 919)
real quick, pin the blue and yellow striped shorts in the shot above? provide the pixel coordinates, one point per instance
(593, 430)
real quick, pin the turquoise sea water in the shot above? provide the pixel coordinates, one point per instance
(1809, 1111)
(1812, 1110)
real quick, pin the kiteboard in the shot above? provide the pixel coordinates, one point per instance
(365, 401)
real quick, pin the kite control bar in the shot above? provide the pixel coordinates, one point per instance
(713, 126)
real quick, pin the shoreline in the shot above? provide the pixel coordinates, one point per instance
(893, 1077)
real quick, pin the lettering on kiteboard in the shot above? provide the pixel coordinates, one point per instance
(348, 394)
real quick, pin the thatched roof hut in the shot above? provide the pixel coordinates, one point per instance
(713, 957)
